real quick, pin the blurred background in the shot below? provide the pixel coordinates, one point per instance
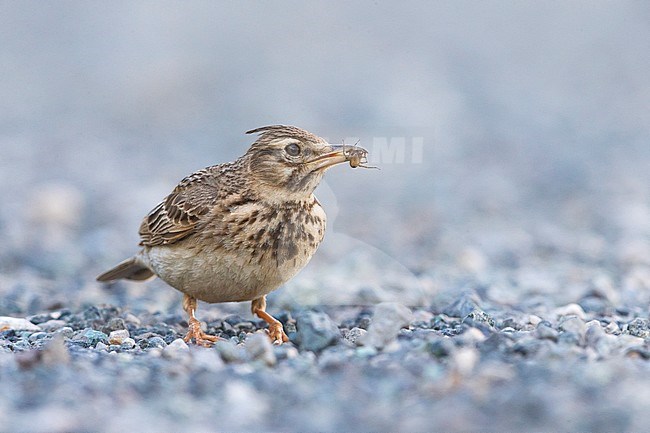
(513, 140)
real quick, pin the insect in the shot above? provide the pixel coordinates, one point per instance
(357, 156)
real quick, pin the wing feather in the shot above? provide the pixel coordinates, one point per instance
(177, 216)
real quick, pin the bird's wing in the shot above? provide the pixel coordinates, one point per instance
(177, 215)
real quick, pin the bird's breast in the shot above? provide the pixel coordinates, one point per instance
(254, 248)
(280, 236)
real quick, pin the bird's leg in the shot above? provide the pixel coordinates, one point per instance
(276, 332)
(194, 326)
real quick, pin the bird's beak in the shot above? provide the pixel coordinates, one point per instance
(337, 154)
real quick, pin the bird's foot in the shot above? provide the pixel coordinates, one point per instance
(195, 332)
(276, 333)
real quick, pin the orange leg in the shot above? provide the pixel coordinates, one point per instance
(276, 332)
(194, 326)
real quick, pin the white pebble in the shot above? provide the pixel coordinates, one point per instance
(175, 349)
(101, 346)
(128, 343)
(473, 336)
(17, 324)
(612, 328)
(117, 337)
(570, 310)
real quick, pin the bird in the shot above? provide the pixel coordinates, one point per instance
(236, 231)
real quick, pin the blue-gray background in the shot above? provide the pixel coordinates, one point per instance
(532, 195)
(534, 117)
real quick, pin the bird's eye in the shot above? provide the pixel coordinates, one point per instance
(292, 149)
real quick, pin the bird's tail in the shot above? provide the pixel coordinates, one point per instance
(129, 269)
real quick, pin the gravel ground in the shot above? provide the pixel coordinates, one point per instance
(463, 363)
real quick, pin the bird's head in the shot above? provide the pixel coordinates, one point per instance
(292, 160)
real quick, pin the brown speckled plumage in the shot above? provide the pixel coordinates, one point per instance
(239, 230)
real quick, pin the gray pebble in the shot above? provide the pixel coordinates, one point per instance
(594, 333)
(316, 331)
(573, 324)
(115, 324)
(208, 360)
(91, 337)
(52, 325)
(570, 338)
(259, 347)
(37, 336)
(365, 351)
(638, 328)
(156, 342)
(386, 323)
(354, 334)
(229, 352)
(462, 306)
(544, 331)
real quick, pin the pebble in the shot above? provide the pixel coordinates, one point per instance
(115, 324)
(117, 337)
(573, 324)
(462, 306)
(176, 349)
(259, 347)
(103, 347)
(17, 324)
(316, 331)
(365, 351)
(613, 328)
(388, 319)
(127, 343)
(354, 335)
(594, 333)
(208, 360)
(37, 336)
(91, 337)
(285, 351)
(52, 325)
(471, 336)
(156, 342)
(570, 310)
(638, 328)
(230, 353)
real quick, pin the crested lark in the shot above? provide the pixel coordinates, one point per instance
(237, 231)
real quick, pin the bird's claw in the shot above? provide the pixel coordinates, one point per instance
(195, 332)
(276, 333)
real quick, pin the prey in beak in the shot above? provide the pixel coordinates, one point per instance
(357, 156)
